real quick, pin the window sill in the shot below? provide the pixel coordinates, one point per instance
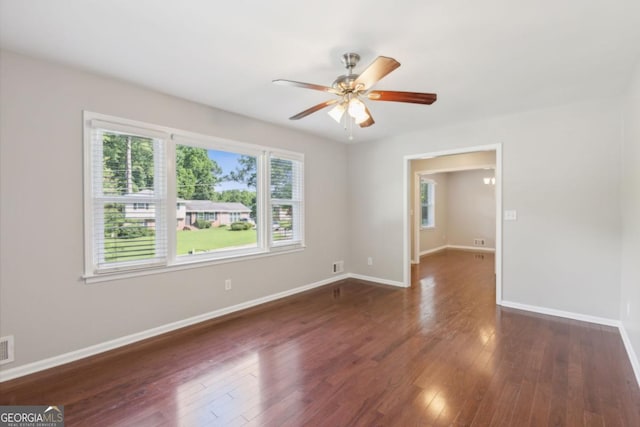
(427, 227)
(187, 265)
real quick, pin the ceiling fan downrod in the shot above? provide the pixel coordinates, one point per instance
(350, 60)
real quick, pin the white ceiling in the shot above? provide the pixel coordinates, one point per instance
(481, 58)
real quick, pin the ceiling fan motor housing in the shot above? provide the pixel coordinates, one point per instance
(345, 82)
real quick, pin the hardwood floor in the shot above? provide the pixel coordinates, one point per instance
(359, 354)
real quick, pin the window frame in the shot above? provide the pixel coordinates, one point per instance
(430, 205)
(296, 201)
(265, 246)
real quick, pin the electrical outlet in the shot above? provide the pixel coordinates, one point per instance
(369, 261)
(227, 285)
(478, 242)
(338, 267)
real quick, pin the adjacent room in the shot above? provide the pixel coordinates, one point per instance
(341, 214)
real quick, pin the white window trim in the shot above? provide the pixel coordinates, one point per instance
(171, 137)
(431, 206)
(297, 200)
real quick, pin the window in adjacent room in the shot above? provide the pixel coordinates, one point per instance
(427, 203)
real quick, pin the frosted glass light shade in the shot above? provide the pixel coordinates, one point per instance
(337, 112)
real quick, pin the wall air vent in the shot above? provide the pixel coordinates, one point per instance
(6, 349)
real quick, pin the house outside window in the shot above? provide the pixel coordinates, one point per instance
(135, 221)
(427, 203)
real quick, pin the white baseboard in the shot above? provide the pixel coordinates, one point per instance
(378, 280)
(41, 365)
(631, 354)
(561, 313)
(633, 357)
(459, 247)
(430, 251)
(471, 248)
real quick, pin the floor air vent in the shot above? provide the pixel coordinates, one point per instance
(6, 350)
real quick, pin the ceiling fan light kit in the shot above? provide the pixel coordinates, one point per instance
(350, 88)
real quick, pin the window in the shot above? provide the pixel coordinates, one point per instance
(286, 199)
(126, 176)
(158, 197)
(207, 216)
(427, 203)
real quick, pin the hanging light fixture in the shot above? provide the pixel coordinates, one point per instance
(357, 110)
(337, 112)
(354, 106)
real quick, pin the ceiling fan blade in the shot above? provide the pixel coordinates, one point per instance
(313, 109)
(379, 68)
(395, 96)
(306, 85)
(369, 121)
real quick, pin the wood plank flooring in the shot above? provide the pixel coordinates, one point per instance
(359, 354)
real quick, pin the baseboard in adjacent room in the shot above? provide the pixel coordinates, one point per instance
(378, 280)
(471, 248)
(434, 250)
(457, 247)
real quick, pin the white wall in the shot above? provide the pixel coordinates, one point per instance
(44, 302)
(560, 172)
(465, 209)
(630, 292)
(471, 207)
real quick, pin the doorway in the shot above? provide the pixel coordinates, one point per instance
(421, 175)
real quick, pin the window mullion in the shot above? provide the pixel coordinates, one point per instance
(171, 202)
(264, 200)
(97, 191)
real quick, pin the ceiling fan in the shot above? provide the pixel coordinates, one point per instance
(351, 88)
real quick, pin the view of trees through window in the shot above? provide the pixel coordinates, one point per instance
(128, 170)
